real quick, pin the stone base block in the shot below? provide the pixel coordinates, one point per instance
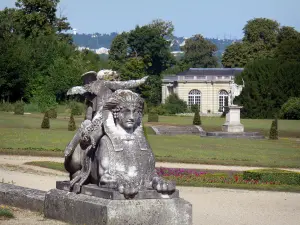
(22, 197)
(82, 209)
(233, 128)
(94, 190)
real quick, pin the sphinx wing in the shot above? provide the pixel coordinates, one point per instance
(89, 77)
(77, 90)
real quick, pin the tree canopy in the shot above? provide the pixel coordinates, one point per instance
(261, 38)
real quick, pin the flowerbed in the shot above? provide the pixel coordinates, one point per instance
(194, 177)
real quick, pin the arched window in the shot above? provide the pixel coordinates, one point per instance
(223, 100)
(194, 97)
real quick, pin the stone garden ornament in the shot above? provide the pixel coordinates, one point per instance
(235, 90)
(110, 149)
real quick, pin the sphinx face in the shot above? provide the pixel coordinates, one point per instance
(128, 118)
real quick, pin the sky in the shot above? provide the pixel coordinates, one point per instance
(211, 18)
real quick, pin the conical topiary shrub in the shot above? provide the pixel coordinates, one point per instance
(197, 118)
(274, 130)
(46, 122)
(72, 125)
(52, 113)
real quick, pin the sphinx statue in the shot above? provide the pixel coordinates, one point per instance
(110, 148)
(97, 89)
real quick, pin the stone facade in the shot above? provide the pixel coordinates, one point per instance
(210, 85)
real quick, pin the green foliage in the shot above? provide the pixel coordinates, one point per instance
(142, 51)
(44, 101)
(199, 52)
(197, 118)
(175, 105)
(194, 108)
(274, 130)
(273, 175)
(5, 213)
(19, 108)
(71, 125)
(291, 109)
(152, 117)
(261, 38)
(269, 85)
(6, 107)
(37, 58)
(46, 122)
(76, 108)
(288, 50)
(160, 110)
(52, 113)
(31, 107)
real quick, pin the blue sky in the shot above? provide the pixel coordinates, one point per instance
(211, 18)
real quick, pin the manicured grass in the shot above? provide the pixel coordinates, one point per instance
(286, 128)
(196, 178)
(5, 213)
(23, 132)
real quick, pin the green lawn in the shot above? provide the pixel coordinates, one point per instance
(286, 128)
(23, 132)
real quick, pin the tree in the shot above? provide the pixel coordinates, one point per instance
(274, 130)
(175, 105)
(46, 122)
(287, 33)
(259, 41)
(288, 50)
(291, 109)
(236, 55)
(71, 125)
(199, 52)
(39, 17)
(197, 118)
(142, 51)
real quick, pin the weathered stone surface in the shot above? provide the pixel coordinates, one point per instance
(177, 130)
(248, 135)
(83, 209)
(233, 124)
(21, 197)
(94, 190)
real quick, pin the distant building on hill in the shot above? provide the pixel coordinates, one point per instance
(206, 87)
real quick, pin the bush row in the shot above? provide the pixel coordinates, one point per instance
(273, 175)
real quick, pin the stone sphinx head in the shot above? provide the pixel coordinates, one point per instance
(127, 109)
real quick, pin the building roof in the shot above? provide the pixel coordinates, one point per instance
(204, 75)
(212, 71)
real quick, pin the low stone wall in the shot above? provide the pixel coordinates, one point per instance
(83, 209)
(21, 197)
(178, 130)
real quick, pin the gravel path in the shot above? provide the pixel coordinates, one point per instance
(20, 160)
(213, 206)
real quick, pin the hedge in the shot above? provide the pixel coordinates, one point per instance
(273, 175)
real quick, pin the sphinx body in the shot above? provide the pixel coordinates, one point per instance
(111, 149)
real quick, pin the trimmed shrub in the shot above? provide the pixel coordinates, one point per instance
(6, 107)
(197, 119)
(175, 105)
(145, 111)
(291, 109)
(274, 130)
(46, 122)
(273, 175)
(52, 114)
(76, 108)
(19, 108)
(152, 117)
(194, 108)
(71, 125)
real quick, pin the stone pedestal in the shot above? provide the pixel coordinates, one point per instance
(83, 209)
(233, 124)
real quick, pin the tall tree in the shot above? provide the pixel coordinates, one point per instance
(260, 40)
(199, 52)
(144, 50)
(39, 17)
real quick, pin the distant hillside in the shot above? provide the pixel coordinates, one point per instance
(96, 41)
